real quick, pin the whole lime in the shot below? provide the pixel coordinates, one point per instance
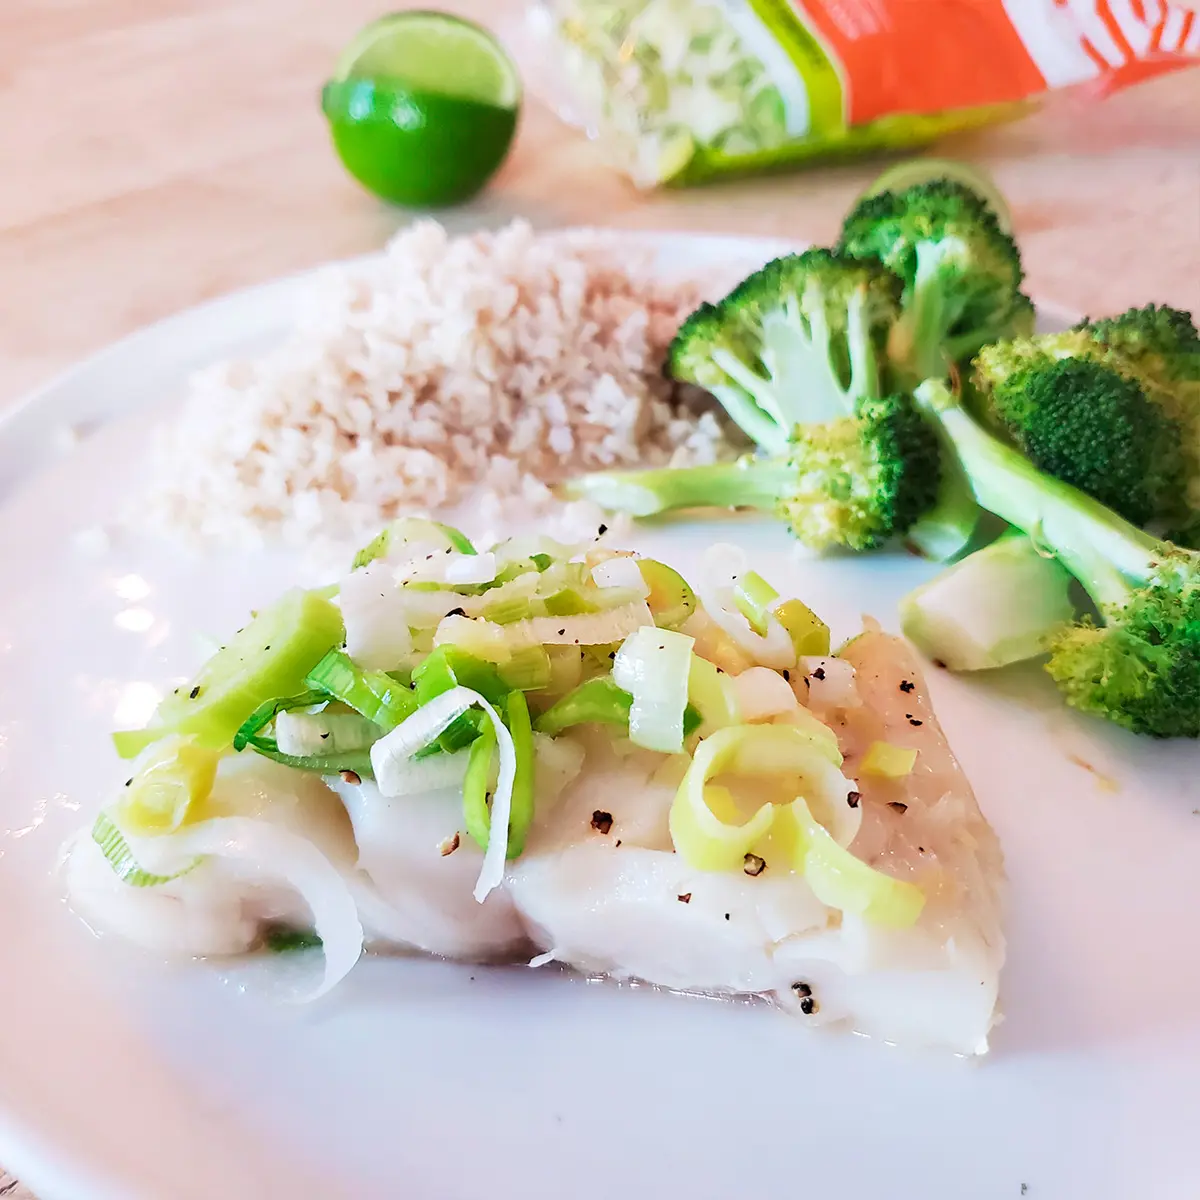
(422, 108)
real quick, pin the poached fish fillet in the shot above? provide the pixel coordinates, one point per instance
(564, 754)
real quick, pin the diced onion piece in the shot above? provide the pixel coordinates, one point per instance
(652, 665)
(436, 773)
(754, 598)
(887, 761)
(762, 693)
(169, 778)
(711, 692)
(621, 572)
(278, 853)
(375, 612)
(390, 754)
(712, 839)
(470, 568)
(842, 881)
(809, 634)
(308, 734)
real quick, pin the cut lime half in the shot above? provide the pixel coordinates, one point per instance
(433, 52)
(422, 108)
(922, 170)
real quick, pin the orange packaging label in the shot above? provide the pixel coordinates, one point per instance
(924, 56)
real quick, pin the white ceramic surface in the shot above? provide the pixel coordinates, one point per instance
(128, 1078)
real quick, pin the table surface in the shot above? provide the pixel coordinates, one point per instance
(155, 153)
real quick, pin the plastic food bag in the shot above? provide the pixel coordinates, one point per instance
(683, 91)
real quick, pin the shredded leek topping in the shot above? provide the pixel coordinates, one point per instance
(491, 655)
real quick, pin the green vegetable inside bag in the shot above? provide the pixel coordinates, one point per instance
(683, 91)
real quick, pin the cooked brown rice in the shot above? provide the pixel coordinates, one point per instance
(485, 367)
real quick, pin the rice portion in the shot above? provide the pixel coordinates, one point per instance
(484, 368)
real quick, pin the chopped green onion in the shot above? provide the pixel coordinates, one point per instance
(356, 762)
(375, 694)
(391, 754)
(408, 530)
(754, 598)
(599, 701)
(476, 815)
(706, 828)
(671, 599)
(521, 812)
(842, 881)
(269, 657)
(541, 561)
(809, 634)
(116, 851)
(326, 733)
(528, 670)
(653, 666)
(262, 716)
(887, 761)
(448, 666)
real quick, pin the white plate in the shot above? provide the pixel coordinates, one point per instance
(122, 1077)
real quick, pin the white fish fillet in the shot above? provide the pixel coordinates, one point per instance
(621, 910)
(600, 888)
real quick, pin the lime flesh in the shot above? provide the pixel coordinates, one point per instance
(422, 108)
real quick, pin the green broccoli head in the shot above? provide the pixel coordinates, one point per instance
(801, 340)
(859, 481)
(1092, 427)
(961, 272)
(1140, 669)
(1158, 339)
(1123, 426)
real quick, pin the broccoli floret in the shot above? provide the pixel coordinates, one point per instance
(1160, 341)
(801, 340)
(962, 273)
(1141, 666)
(852, 482)
(1110, 406)
(860, 481)
(1087, 424)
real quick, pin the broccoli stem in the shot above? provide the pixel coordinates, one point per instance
(1103, 551)
(947, 528)
(917, 339)
(743, 484)
(997, 606)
